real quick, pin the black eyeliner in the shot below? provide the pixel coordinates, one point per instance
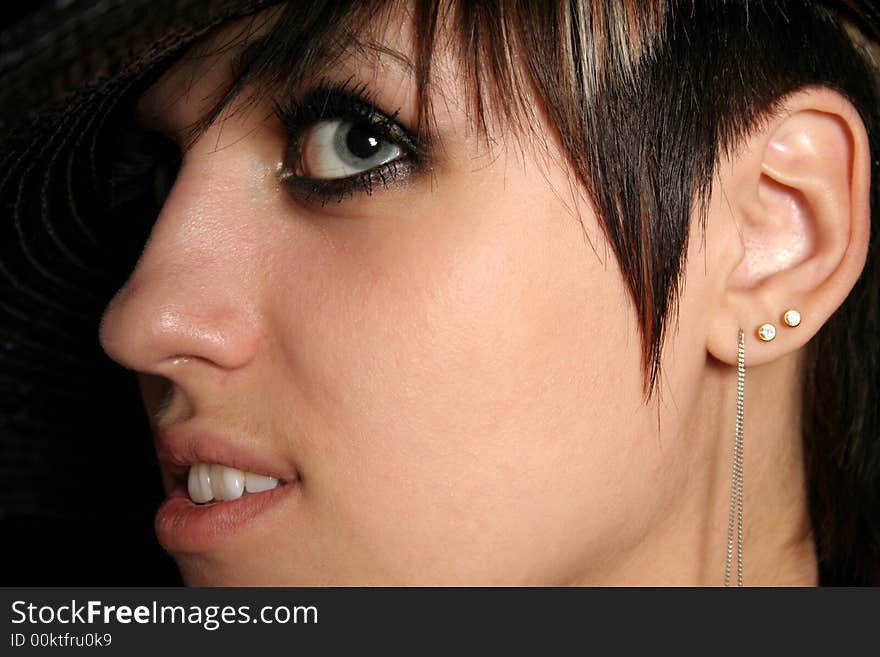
(348, 102)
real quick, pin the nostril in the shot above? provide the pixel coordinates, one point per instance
(157, 319)
(158, 394)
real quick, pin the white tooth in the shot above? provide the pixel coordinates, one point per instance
(199, 483)
(256, 483)
(227, 483)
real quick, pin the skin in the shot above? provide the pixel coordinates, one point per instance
(455, 371)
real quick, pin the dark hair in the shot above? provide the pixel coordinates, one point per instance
(646, 97)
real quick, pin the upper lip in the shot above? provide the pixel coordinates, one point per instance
(179, 446)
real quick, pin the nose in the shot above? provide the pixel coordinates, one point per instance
(193, 292)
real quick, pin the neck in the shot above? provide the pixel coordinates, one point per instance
(688, 546)
(777, 528)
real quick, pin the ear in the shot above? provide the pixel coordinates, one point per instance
(798, 191)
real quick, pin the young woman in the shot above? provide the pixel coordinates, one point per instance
(491, 292)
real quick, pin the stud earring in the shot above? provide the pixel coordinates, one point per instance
(767, 332)
(791, 317)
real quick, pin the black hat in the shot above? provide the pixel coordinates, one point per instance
(79, 482)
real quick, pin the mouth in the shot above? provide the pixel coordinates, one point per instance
(212, 496)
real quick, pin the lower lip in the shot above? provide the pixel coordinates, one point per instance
(182, 526)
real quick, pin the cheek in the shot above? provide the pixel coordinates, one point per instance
(473, 384)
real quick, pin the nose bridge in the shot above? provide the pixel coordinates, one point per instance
(191, 293)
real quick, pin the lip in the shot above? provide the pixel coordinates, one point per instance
(183, 526)
(179, 446)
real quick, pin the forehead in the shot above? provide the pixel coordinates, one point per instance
(381, 48)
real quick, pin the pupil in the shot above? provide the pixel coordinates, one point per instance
(361, 142)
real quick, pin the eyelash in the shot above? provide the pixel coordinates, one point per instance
(352, 103)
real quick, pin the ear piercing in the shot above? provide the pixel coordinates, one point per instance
(791, 317)
(767, 331)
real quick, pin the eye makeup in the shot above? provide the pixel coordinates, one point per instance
(351, 124)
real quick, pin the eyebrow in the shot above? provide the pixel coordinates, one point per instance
(401, 58)
(246, 55)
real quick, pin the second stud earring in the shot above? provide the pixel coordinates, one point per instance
(791, 318)
(766, 332)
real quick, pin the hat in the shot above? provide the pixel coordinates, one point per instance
(78, 478)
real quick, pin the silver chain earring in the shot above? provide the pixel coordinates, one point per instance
(736, 484)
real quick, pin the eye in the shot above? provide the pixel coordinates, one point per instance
(341, 149)
(340, 143)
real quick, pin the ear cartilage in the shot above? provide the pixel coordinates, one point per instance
(766, 332)
(791, 317)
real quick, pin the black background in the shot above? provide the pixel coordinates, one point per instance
(78, 511)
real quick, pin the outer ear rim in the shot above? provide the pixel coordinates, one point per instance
(740, 309)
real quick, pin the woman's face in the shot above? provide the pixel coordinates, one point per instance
(445, 373)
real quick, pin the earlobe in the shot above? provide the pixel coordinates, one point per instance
(799, 192)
